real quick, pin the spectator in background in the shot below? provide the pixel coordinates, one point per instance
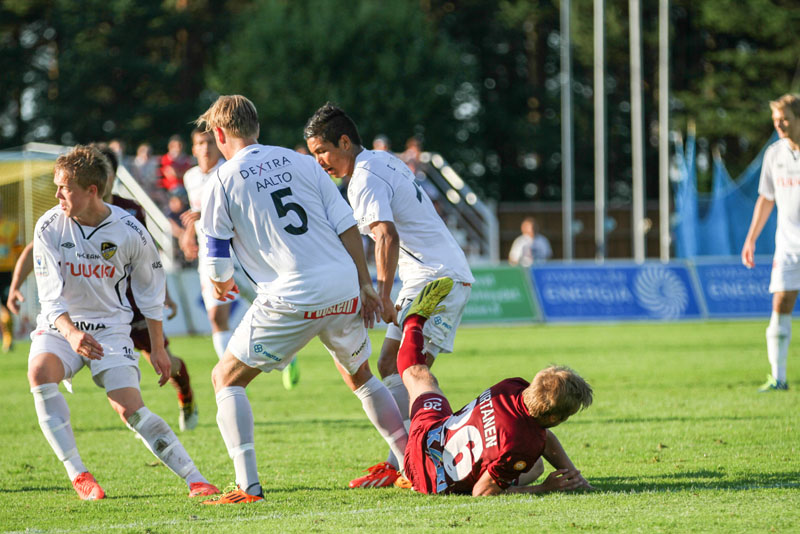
(174, 165)
(381, 142)
(530, 247)
(411, 154)
(117, 146)
(9, 250)
(144, 168)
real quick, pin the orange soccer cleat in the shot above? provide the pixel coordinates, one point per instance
(202, 489)
(235, 496)
(87, 487)
(380, 475)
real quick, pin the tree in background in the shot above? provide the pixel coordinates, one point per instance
(380, 61)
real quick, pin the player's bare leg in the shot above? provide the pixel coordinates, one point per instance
(156, 434)
(7, 328)
(779, 334)
(220, 331)
(45, 371)
(230, 377)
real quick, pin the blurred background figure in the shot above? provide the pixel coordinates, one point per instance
(174, 165)
(381, 142)
(144, 168)
(530, 247)
(9, 249)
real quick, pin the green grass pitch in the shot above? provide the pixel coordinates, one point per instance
(677, 440)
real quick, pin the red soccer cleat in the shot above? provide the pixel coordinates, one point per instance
(87, 487)
(380, 475)
(202, 489)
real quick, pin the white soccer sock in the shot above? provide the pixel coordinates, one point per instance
(779, 333)
(53, 414)
(159, 438)
(382, 411)
(395, 386)
(220, 341)
(235, 421)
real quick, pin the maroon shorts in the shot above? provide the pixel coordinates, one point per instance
(140, 335)
(428, 411)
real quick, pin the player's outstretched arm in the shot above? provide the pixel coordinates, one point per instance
(22, 269)
(159, 358)
(760, 215)
(555, 454)
(387, 254)
(371, 307)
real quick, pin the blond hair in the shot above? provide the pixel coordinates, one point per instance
(557, 391)
(789, 101)
(86, 165)
(233, 113)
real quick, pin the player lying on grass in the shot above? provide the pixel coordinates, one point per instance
(496, 442)
(85, 254)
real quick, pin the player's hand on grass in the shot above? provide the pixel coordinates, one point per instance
(15, 298)
(85, 345)
(159, 359)
(565, 480)
(371, 307)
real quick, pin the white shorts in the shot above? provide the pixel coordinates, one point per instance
(270, 334)
(117, 352)
(440, 329)
(785, 273)
(207, 291)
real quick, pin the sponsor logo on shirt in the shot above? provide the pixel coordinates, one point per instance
(264, 166)
(47, 223)
(39, 266)
(87, 270)
(157, 265)
(343, 308)
(108, 249)
(68, 244)
(258, 348)
(88, 255)
(84, 326)
(137, 229)
(785, 181)
(359, 349)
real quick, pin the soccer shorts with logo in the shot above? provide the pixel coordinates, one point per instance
(117, 350)
(785, 273)
(271, 333)
(440, 329)
(428, 411)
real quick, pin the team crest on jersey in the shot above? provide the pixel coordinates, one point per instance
(39, 266)
(520, 466)
(108, 250)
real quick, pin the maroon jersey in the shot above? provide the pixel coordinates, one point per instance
(448, 452)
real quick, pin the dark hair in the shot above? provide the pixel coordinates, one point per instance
(330, 123)
(109, 154)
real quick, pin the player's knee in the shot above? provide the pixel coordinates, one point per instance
(45, 369)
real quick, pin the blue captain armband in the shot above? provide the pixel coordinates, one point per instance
(218, 248)
(218, 261)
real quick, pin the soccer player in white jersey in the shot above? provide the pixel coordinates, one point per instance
(209, 159)
(409, 235)
(780, 186)
(296, 239)
(86, 253)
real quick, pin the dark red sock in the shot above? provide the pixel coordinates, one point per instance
(182, 383)
(411, 346)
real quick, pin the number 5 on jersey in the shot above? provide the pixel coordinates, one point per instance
(283, 209)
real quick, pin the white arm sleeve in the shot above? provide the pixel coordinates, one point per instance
(216, 223)
(47, 269)
(371, 199)
(148, 280)
(337, 210)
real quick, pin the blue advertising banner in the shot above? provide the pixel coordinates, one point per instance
(590, 292)
(732, 290)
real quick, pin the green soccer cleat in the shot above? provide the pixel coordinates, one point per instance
(773, 384)
(428, 300)
(291, 375)
(188, 416)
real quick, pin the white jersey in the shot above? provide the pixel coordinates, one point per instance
(780, 181)
(195, 181)
(86, 271)
(283, 215)
(383, 189)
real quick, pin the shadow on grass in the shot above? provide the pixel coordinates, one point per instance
(694, 481)
(668, 419)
